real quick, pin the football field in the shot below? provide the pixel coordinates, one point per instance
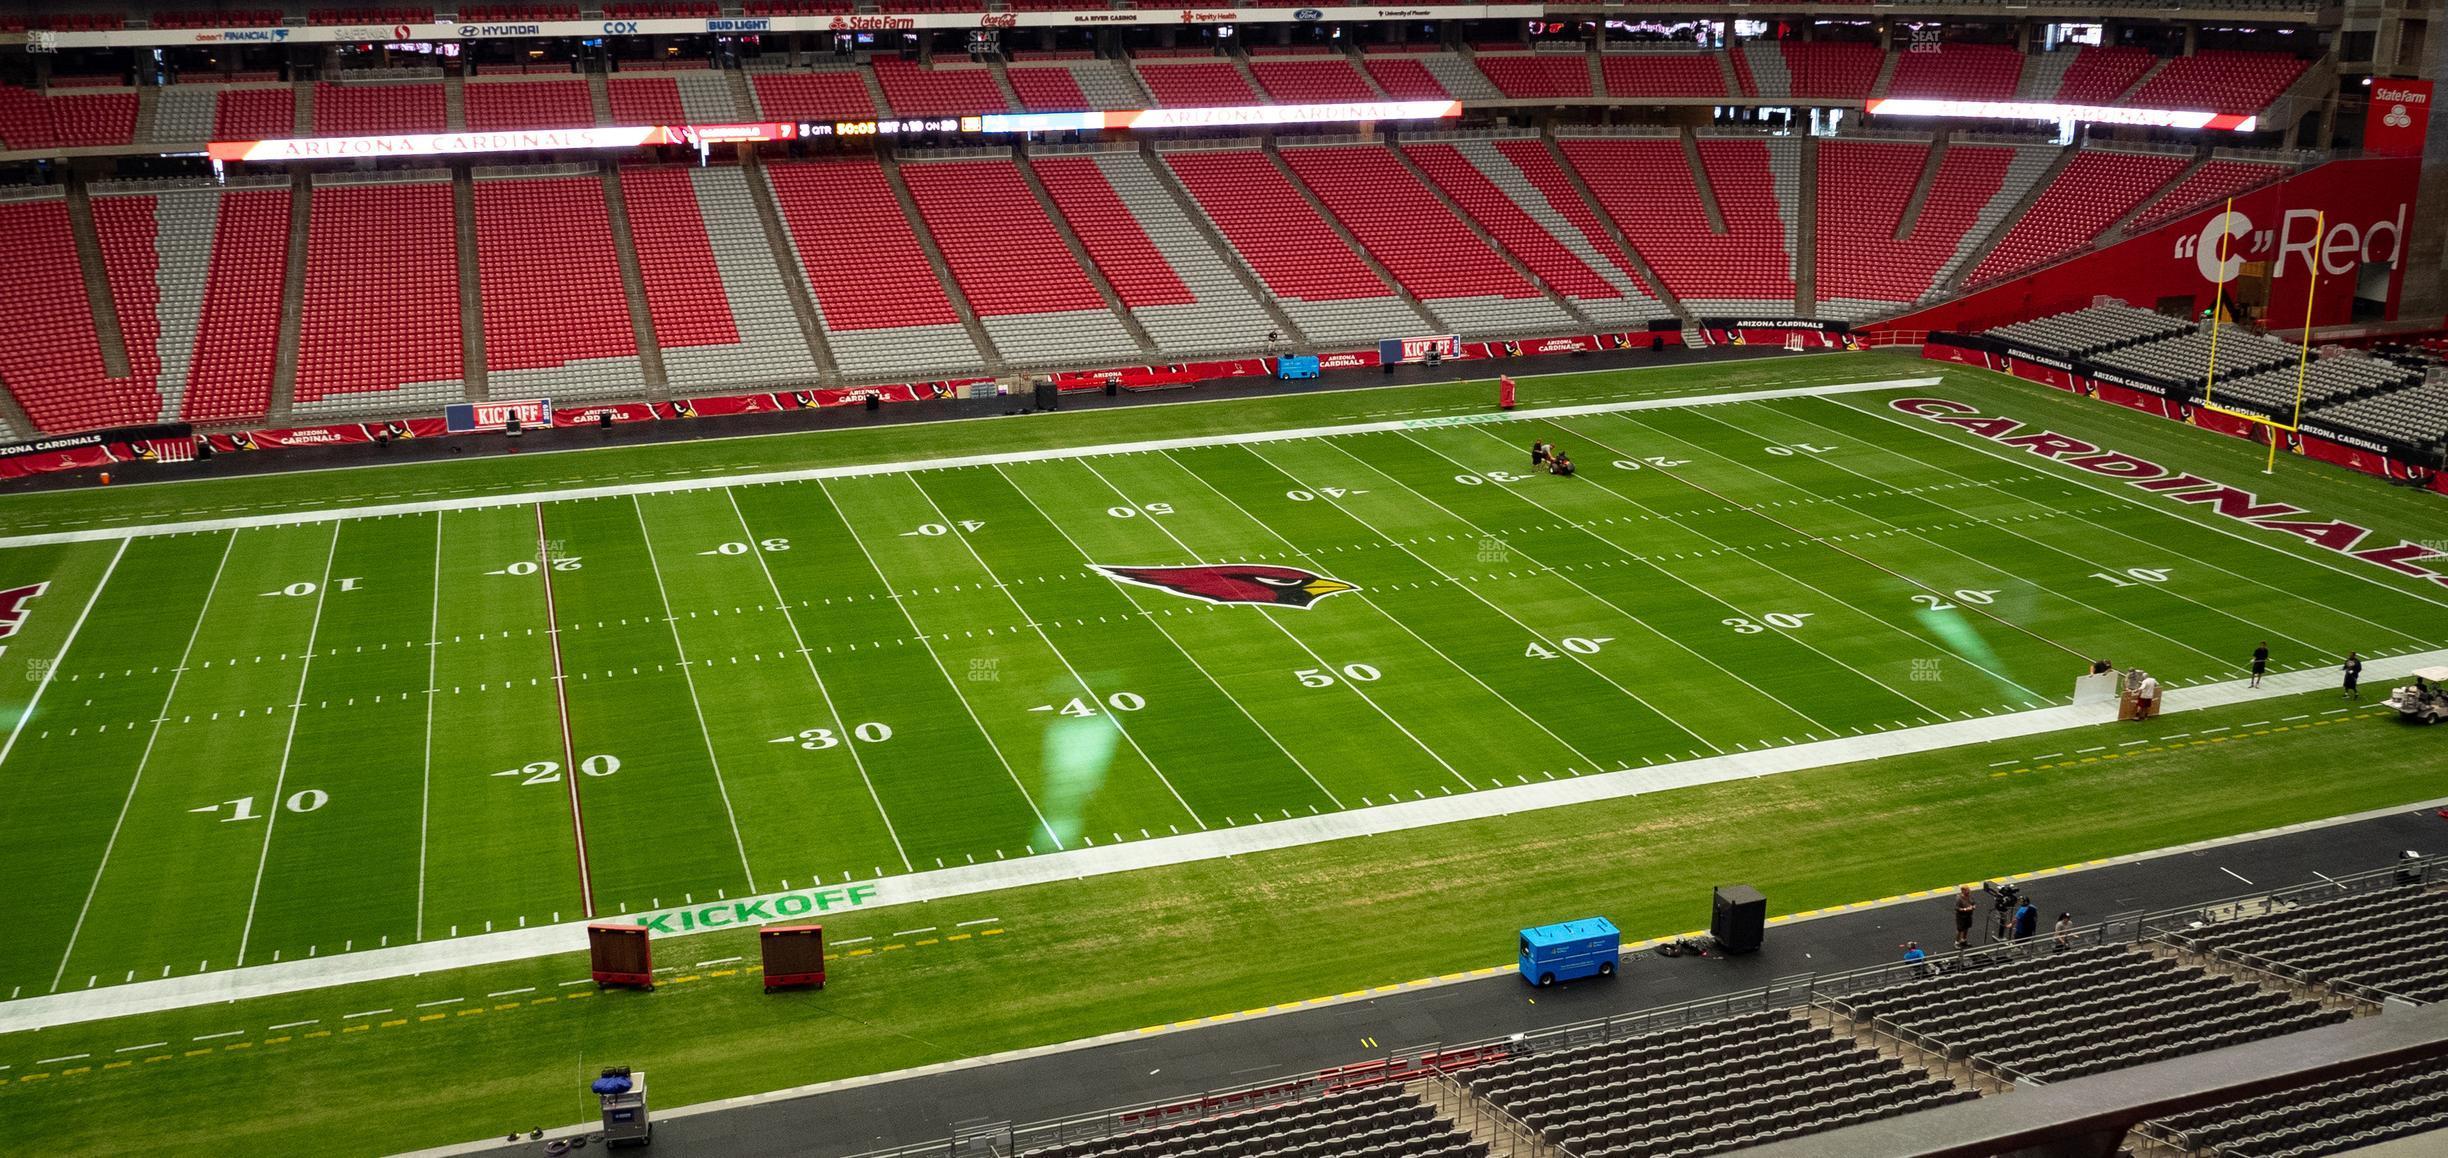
(260, 743)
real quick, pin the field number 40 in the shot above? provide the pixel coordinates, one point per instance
(1578, 645)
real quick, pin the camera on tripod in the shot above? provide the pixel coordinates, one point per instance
(2005, 897)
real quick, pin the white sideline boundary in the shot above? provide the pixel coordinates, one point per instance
(295, 976)
(1000, 458)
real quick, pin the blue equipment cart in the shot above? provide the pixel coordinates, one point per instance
(1570, 951)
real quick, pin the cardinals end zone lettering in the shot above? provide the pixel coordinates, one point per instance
(13, 607)
(1252, 583)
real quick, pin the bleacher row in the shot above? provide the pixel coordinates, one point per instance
(365, 103)
(2400, 402)
(1886, 1042)
(1204, 246)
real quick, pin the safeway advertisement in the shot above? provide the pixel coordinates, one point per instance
(2316, 231)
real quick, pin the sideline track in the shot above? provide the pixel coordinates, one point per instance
(522, 498)
(295, 976)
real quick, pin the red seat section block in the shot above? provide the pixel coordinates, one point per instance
(50, 355)
(1406, 80)
(1205, 84)
(1646, 186)
(813, 96)
(549, 276)
(684, 290)
(1430, 251)
(2214, 181)
(645, 100)
(1526, 239)
(1050, 89)
(1664, 74)
(238, 339)
(496, 106)
(847, 207)
(938, 92)
(381, 305)
(1860, 256)
(1006, 255)
(31, 120)
(1537, 75)
(1111, 234)
(1832, 69)
(1312, 82)
(1267, 221)
(1961, 72)
(253, 114)
(2099, 75)
(2222, 82)
(2089, 195)
(357, 110)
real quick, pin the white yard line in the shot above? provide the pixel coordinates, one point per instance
(142, 760)
(842, 726)
(62, 657)
(1790, 577)
(1921, 462)
(1474, 592)
(688, 673)
(1157, 622)
(569, 752)
(928, 643)
(1364, 597)
(297, 711)
(479, 502)
(1114, 718)
(302, 974)
(433, 663)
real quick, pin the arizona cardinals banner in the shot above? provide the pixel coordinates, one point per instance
(1255, 584)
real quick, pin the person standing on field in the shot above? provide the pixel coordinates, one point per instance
(1965, 907)
(2354, 673)
(2260, 662)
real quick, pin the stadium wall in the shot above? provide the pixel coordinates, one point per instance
(2369, 203)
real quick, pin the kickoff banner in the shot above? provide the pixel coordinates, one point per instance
(1393, 351)
(475, 417)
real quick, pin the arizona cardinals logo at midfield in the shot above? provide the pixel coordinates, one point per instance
(13, 607)
(1257, 583)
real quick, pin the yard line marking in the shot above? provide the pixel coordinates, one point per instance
(476, 502)
(979, 921)
(2231, 872)
(280, 779)
(1372, 604)
(217, 1036)
(53, 670)
(1582, 527)
(433, 656)
(507, 993)
(425, 1004)
(142, 760)
(2045, 590)
(1993, 488)
(2138, 500)
(1167, 632)
(1113, 718)
(134, 1048)
(1473, 590)
(688, 673)
(1731, 506)
(848, 740)
(69, 1058)
(926, 641)
(311, 1021)
(569, 756)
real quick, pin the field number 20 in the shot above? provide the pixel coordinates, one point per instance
(549, 771)
(1966, 595)
(1782, 620)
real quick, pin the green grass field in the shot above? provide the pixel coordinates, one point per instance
(335, 735)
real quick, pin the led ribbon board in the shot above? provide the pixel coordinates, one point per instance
(521, 141)
(2043, 111)
(1230, 117)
